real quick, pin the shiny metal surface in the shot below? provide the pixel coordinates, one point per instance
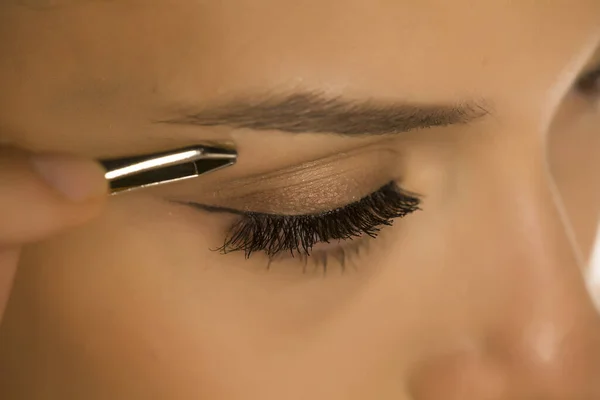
(137, 172)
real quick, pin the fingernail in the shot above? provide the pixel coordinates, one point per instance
(76, 178)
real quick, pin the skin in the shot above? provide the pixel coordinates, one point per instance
(481, 295)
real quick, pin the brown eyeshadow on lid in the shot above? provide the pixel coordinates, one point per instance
(312, 187)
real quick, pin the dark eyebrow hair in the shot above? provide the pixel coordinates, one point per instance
(314, 113)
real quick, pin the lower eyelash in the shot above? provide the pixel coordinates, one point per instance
(343, 255)
(297, 234)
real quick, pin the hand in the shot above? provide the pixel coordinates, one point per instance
(41, 195)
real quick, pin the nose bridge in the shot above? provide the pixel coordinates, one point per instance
(547, 334)
(517, 206)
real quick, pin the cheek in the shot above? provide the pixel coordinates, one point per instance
(127, 302)
(137, 300)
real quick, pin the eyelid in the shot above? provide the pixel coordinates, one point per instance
(305, 199)
(309, 189)
(383, 150)
(235, 211)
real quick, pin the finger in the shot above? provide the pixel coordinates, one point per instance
(42, 194)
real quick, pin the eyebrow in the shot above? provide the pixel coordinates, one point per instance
(314, 113)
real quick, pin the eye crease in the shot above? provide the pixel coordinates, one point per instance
(297, 235)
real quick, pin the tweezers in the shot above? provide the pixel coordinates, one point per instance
(137, 172)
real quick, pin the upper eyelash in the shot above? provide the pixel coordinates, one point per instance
(297, 234)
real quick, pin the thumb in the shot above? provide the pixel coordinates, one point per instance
(43, 194)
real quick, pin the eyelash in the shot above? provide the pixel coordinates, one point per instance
(297, 234)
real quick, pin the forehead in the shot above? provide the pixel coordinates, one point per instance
(382, 44)
(128, 55)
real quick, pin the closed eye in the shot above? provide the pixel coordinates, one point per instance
(274, 234)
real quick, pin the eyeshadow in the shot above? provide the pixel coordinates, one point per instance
(306, 197)
(308, 188)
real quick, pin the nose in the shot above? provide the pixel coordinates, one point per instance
(542, 341)
(549, 348)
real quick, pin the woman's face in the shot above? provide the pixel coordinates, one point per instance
(477, 294)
